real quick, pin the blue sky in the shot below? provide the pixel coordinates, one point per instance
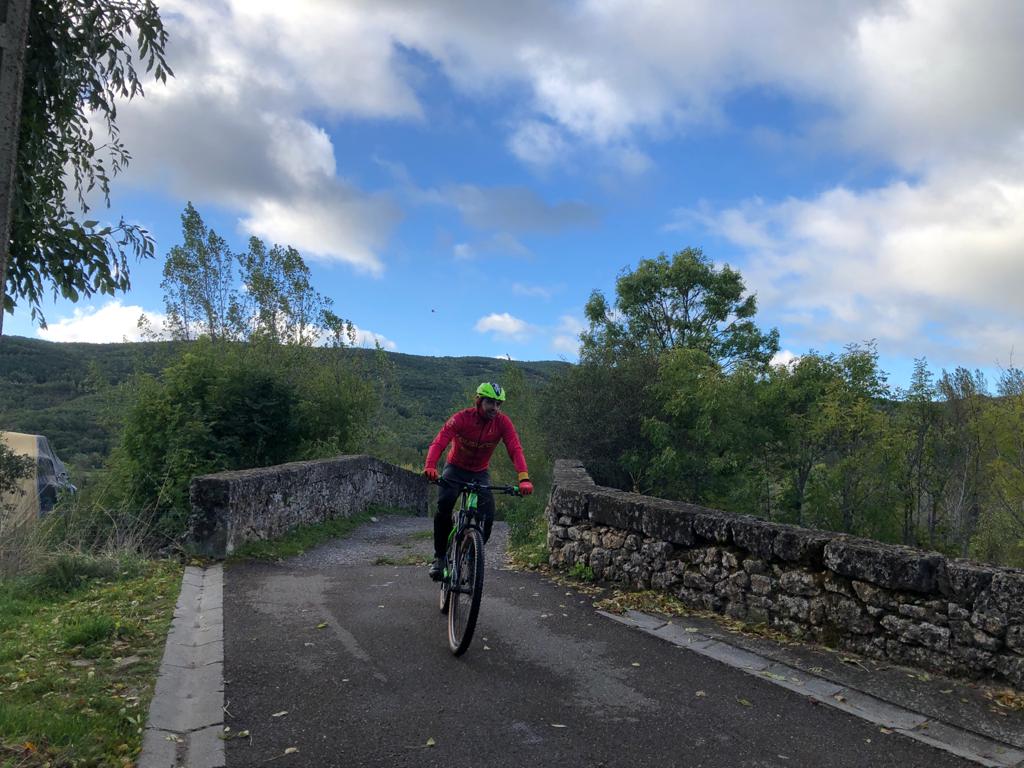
(460, 177)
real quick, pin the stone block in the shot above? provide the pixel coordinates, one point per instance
(837, 585)
(802, 583)
(760, 584)
(754, 566)
(966, 580)
(800, 545)
(696, 582)
(1012, 668)
(1015, 638)
(872, 595)
(992, 622)
(793, 607)
(1006, 594)
(985, 641)
(712, 526)
(616, 509)
(754, 535)
(849, 615)
(886, 565)
(667, 521)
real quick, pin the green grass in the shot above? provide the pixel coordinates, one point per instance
(78, 666)
(528, 536)
(581, 572)
(304, 537)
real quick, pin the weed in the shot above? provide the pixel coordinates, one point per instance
(581, 572)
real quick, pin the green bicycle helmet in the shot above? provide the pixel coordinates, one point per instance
(491, 390)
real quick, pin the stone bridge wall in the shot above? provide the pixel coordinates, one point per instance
(232, 508)
(880, 600)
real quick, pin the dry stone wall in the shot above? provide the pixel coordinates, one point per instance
(880, 600)
(231, 508)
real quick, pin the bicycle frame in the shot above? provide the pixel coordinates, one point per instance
(465, 536)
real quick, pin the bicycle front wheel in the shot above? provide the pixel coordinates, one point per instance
(464, 599)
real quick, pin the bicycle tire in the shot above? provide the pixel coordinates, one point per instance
(464, 604)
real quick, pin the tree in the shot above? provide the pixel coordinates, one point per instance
(199, 284)
(682, 303)
(80, 61)
(270, 297)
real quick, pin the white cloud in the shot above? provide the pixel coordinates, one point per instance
(784, 358)
(365, 338)
(230, 128)
(532, 291)
(111, 323)
(538, 144)
(505, 326)
(924, 268)
(566, 338)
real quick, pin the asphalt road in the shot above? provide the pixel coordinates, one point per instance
(355, 655)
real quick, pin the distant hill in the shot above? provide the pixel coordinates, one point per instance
(69, 391)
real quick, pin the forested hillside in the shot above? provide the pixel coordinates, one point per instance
(75, 393)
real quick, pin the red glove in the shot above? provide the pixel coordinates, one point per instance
(525, 487)
(430, 473)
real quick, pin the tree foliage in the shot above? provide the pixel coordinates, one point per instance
(81, 60)
(232, 406)
(263, 294)
(678, 303)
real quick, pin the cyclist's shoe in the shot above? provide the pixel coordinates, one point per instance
(436, 568)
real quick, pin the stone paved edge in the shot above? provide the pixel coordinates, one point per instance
(186, 715)
(945, 736)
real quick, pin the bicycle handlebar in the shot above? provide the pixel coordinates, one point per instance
(510, 490)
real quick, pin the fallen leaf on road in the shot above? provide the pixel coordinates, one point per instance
(700, 694)
(744, 702)
(885, 730)
(291, 750)
(321, 625)
(282, 713)
(431, 742)
(636, 663)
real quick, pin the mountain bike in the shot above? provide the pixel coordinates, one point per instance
(462, 581)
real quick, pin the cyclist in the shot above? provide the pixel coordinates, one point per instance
(474, 434)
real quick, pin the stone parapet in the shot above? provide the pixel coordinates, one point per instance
(232, 508)
(881, 600)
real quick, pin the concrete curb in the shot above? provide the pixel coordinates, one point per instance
(914, 725)
(186, 716)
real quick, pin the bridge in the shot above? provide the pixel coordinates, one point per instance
(339, 657)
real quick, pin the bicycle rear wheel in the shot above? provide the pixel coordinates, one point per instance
(464, 600)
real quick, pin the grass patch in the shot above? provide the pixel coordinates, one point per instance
(527, 537)
(304, 537)
(581, 572)
(78, 663)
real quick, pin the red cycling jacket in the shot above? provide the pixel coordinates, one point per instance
(474, 439)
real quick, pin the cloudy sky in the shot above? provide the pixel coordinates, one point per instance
(460, 176)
